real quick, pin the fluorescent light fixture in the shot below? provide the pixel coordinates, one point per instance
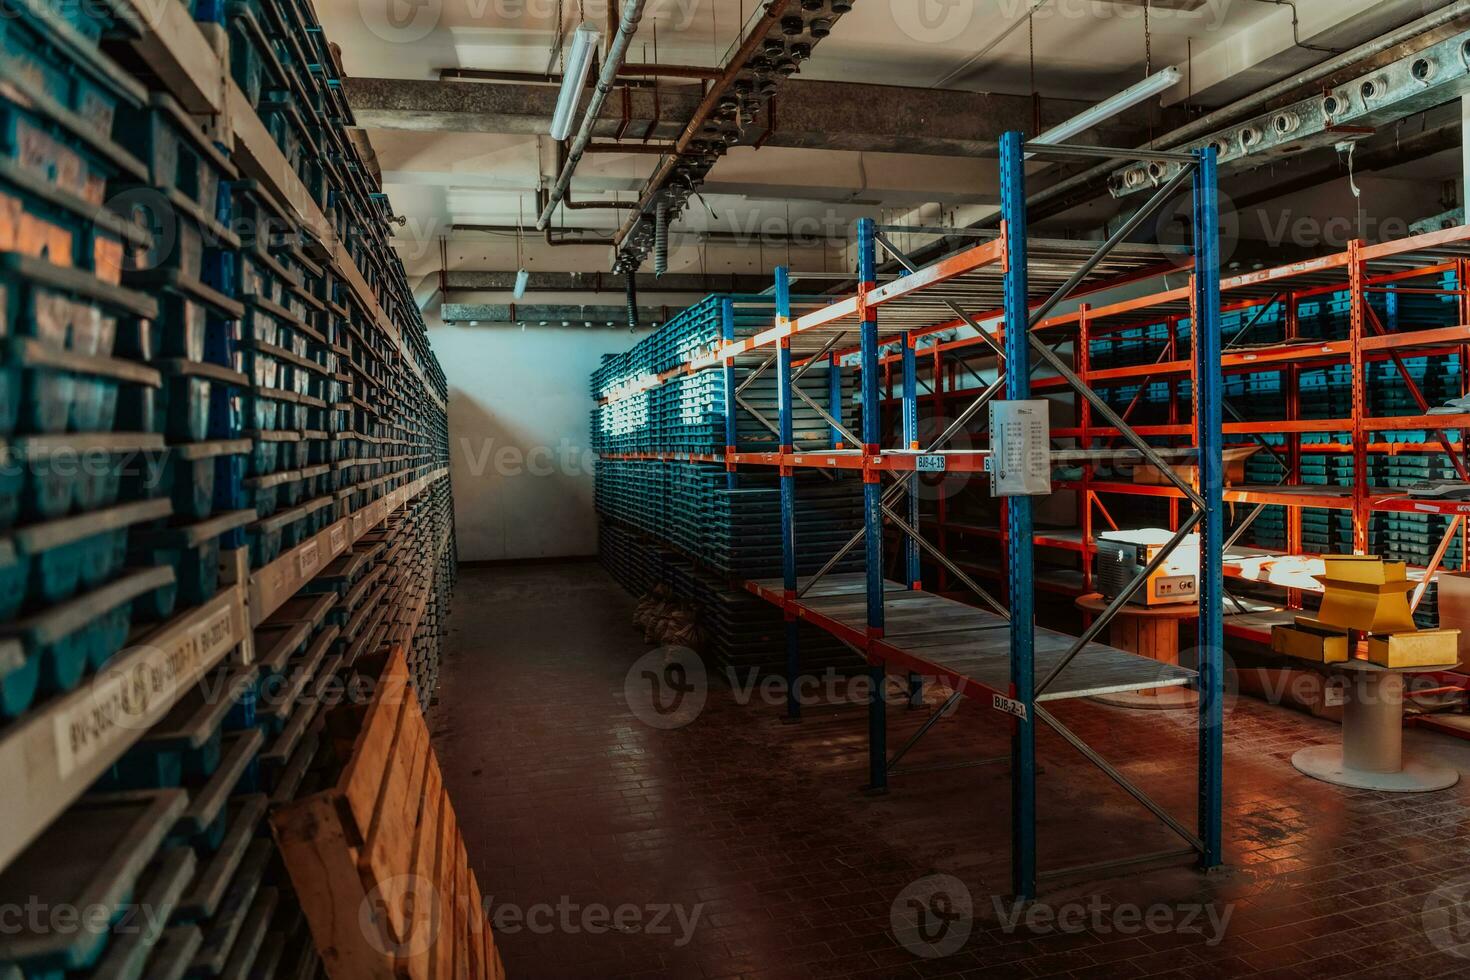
(1155, 84)
(585, 40)
(522, 277)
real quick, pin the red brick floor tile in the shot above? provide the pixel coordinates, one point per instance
(758, 831)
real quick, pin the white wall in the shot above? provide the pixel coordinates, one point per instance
(518, 436)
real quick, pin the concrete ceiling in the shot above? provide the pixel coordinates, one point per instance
(441, 176)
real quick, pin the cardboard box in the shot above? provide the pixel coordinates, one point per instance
(1454, 612)
(1311, 640)
(1426, 648)
(1365, 607)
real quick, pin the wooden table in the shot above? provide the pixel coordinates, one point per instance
(1152, 632)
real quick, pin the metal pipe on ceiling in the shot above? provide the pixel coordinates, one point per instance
(1248, 105)
(571, 205)
(632, 12)
(706, 108)
(632, 74)
(668, 168)
(1367, 159)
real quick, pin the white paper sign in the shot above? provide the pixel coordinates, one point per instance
(1020, 442)
(308, 559)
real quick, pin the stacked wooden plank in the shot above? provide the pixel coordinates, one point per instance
(378, 861)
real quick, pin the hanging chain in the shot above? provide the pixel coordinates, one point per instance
(788, 235)
(561, 48)
(1189, 97)
(1148, 65)
(1035, 96)
(1148, 41)
(1031, 32)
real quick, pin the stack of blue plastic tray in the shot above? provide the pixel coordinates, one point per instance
(1437, 378)
(77, 403)
(1326, 393)
(1261, 394)
(738, 532)
(1327, 531)
(1327, 469)
(172, 371)
(1325, 317)
(687, 414)
(187, 199)
(1419, 303)
(739, 631)
(1412, 538)
(1262, 469)
(635, 493)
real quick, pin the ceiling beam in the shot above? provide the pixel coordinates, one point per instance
(551, 314)
(807, 114)
(597, 282)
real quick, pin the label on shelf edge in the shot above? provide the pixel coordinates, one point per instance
(122, 699)
(338, 538)
(1008, 705)
(933, 463)
(308, 559)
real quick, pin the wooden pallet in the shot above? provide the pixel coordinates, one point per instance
(378, 861)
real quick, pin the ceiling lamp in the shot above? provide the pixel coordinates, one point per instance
(1151, 86)
(585, 40)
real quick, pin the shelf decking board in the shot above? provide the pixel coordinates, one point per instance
(273, 584)
(969, 647)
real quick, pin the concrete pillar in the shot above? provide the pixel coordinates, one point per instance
(1465, 153)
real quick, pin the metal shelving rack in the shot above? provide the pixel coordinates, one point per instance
(898, 627)
(52, 754)
(1432, 266)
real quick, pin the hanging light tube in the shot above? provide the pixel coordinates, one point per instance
(585, 40)
(1155, 84)
(522, 276)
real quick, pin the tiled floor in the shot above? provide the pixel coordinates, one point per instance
(593, 832)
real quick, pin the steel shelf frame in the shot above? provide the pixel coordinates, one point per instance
(54, 753)
(931, 298)
(1361, 271)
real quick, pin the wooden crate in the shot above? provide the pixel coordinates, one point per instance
(378, 861)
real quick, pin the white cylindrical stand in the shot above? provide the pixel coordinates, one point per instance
(1371, 755)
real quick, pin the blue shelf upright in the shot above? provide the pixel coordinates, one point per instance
(1019, 527)
(788, 492)
(1208, 517)
(873, 503)
(910, 439)
(1211, 441)
(727, 335)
